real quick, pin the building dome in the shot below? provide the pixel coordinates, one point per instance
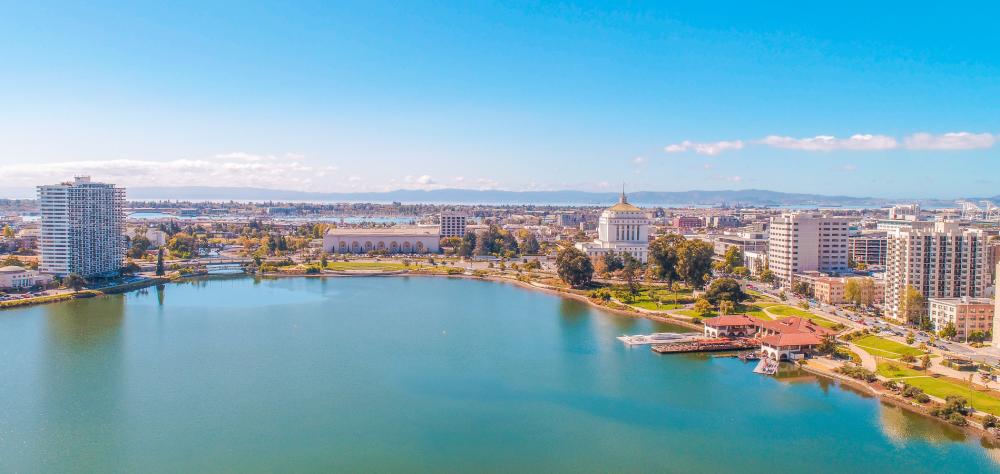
(11, 269)
(622, 207)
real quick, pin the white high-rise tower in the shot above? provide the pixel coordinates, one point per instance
(83, 228)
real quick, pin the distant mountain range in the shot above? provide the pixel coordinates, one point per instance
(746, 197)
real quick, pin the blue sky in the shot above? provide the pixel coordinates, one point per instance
(376, 96)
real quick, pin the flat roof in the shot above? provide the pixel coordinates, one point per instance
(385, 231)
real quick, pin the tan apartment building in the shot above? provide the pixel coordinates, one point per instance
(806, 242)
(967, 314)
(945, 261)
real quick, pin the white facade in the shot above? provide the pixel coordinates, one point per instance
(802, 242)
(622, 228)
(83, 228)
(19, 277)
(389, 239)
(945, 261)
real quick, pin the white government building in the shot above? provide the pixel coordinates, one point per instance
(623, 228)
(388, 239)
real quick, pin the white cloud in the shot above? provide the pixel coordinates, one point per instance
(706, 148)
(231, 169)
(951, 141)
(639, 160)
(859, 142)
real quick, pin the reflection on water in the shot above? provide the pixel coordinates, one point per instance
(902, 426)
(83, 369)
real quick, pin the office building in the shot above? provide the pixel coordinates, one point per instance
(803, 242)
(453, 224)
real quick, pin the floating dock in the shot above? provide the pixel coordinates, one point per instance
(659, 338)
(766, 367)
(707, 345)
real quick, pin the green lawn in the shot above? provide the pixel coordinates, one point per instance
(654, 307)
(785, 310)
(894, 370)
(649, 297)
(941, 388)
(693, 314)
(754, 311)
(882, 347)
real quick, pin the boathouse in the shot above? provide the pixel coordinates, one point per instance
(732, 325)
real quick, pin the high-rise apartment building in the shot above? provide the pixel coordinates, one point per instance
(453, 224)
(83, 228)
(804, 242)
(868, 249)
(945, 261)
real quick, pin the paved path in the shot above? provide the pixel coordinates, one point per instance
(868, 361)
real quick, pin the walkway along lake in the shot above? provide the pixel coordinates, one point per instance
(415, 374)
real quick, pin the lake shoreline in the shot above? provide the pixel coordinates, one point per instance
(545, 289)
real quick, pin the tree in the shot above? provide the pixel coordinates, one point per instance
(159, 262)
(802, 288)
(11, 261)
(629, 273)
(130, 268)
(8, 232)
(859, 291)
(183, 245)
(741, 271)
(766, 275)
(827, 346)
(725, 289)
(702, 307)
(530, 245)
(726, 307)
(732, 258)
(911, 305)
(663, 257)
(322, 260)
(694, 262)
(925, 362)
(140, 244)
(612, 262)
(948, 331)
(468, 245)
(574, 267)
(74, 281)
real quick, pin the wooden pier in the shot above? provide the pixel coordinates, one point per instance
(707, 345)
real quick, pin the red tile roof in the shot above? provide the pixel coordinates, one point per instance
(794, 324)
(730, 320)
(793, 339)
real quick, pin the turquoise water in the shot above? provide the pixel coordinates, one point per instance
(414, 374)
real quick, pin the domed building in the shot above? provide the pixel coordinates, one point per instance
(623, 228)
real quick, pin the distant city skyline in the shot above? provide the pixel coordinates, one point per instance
(884, 100)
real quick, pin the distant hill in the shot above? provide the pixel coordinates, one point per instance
(747, 197)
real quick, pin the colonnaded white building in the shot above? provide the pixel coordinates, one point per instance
(388, 239)
(623, 228)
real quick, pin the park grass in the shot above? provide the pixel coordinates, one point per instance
(649, 298)
(893, 370)
(942, 388)
(753, 311)
(694, 314)
(878, 346)
(785, 310)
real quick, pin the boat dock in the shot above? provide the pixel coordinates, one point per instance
(707, 345)
(659, 338)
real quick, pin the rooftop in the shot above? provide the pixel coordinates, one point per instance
(793, 339)
(730, 320)
(425, 231)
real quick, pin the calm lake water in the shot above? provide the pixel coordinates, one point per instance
(414, 374)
